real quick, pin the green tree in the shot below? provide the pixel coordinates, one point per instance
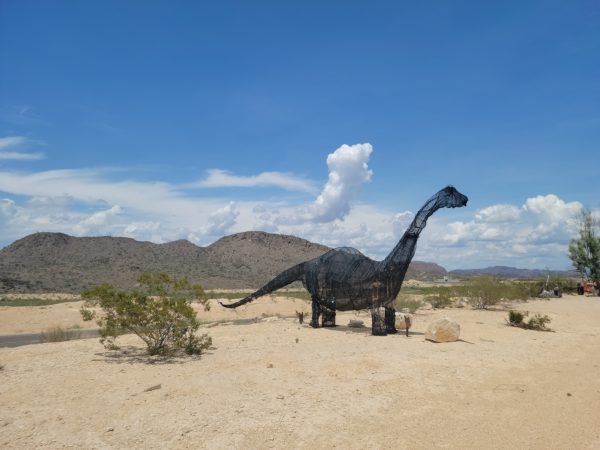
(158, 312)
(584, 250)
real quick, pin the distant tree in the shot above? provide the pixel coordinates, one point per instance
(584, 250)
(159, 313)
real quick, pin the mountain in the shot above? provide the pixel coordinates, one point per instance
(513, 272)
(56, 262)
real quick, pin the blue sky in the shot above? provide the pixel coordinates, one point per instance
(166, 120)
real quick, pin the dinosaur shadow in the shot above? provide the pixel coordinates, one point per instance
(367, 330)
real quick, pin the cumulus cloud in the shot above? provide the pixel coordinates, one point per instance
(552, 207)
(401, 221)
(498, 213)
(221, 178)
(348, 171)
(8, 208)
(145, 231)
(222, 220)
(97, 221)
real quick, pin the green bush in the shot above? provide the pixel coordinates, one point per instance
(515, 317)
(440, 299)
(159, 313)
(59, 334)
(406, 302)
(483, 292)
(537, 322)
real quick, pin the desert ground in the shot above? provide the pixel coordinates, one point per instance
(273, 383)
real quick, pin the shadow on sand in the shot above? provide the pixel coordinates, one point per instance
(130, 354)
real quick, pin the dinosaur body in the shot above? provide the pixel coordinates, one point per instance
(344, 279)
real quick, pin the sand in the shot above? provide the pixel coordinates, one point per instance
(277, 384)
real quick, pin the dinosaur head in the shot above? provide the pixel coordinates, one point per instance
(449, 197)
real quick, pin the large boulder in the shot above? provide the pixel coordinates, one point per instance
(443, 330)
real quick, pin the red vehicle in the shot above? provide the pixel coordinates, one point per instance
(589, 288)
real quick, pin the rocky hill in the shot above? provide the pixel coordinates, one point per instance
(56, 262)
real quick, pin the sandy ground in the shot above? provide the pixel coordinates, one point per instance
(276, 384)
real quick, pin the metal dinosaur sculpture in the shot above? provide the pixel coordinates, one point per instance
(344, 279)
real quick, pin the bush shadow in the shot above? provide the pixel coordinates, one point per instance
(130, 354)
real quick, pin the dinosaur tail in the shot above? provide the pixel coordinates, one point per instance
(295, 273)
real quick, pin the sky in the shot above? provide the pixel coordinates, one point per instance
(333, 121)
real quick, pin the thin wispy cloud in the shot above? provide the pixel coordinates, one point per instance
(9, 146)
(11, 141)
(218, 178)
(21, 156)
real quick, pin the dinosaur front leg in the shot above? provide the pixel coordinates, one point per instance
(378, 324)
(390, 320)
(328, 317)
(316, 312)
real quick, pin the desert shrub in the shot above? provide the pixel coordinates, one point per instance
(407, 302)
(159, 313)
(440, 299)
(59, 334)
(515, 317)
(483, 292)
(537, 322)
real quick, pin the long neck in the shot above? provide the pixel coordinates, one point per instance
(402, 254)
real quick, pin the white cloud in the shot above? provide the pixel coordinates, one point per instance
(145, 231)
(12, 141)
(221, 178)
(400, 222)
(97, 222)
(21, 156)
(222, 220)
(498, 213)
(552, 207)
(8, 208)
(348, 171)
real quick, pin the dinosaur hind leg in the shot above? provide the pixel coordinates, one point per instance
(378, 326)
(328, 317)
(390, 320)
(316, 312)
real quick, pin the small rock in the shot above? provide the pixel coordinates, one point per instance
(110, 429)
(280, 397)
(270, 366)
(355, 323)
(443, 330)
(569, 394)
(153, 388)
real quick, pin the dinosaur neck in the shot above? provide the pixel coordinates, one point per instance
(402, 254)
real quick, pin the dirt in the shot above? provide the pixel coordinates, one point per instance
(278, 384)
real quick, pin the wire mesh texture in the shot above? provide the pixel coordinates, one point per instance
(344, 279)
